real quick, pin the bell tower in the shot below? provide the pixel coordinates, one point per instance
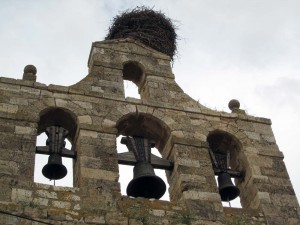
(197, 144)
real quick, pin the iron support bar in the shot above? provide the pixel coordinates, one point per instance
(64, 153)
(128, 158)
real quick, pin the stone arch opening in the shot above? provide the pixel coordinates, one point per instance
(225, 151)
(133, 72)
(146, 126)
(221, 141)
(58, 119)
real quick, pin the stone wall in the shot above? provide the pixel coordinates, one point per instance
(180, 127)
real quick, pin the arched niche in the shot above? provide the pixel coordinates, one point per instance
(146, 125)
(222, 142)
(223, 145)
(150, 127)
(133, 76)
(58, 117)
(133, 71)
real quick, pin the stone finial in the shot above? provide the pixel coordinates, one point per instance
(29, 73)
(30, 69)
(234, 104)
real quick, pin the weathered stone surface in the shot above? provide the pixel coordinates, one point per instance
(21, 195)
(8, 108)
(95, 220)
(47, 194)
(61, 204)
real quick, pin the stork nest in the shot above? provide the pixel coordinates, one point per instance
(152, 28)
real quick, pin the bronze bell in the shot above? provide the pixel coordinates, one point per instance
(227, 189)
(145, 183)
(54, 169)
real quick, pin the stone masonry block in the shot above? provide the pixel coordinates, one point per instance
(188, 162)
(104, 161)
(85, 105)
(34, 212)
(45, 93)
(46, 194)
(280, 181)
(135, 222)
(269, 138)
(263, 129)
(64, 189)
(88, 133)
(258, 160)
(245, 125)
(21, 195)
(57, 88)
(95, 220)
(178, 134)
(192, 178)
(41, 201)
(207, 196)
(158, 212)
(108, 123)
(114, 218)
(31, 91)
(10, 87)
(25, 130)
(8, 108)
(284, 200)
(42, 186)
(61, 103)
(252, 135)
(77, 207)
(99, 174)
(260, 198)
(203, 210)
(61, 204)
(200, 136)
(251, 150)
(85, 119)
(19, 101)
(61, 96)
(9, 167)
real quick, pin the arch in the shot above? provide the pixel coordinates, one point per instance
(146, 125)
(231, 129)
(55, 116)
(133, 71)
(222, 141)
(58, 117)
(150, 127)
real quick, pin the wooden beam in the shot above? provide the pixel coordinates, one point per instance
(127, 158)
(65, 152)
(232, 173)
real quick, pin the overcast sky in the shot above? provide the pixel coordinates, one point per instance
(248, 50)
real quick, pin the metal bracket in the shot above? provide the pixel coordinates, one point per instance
(221, 163)
(140, 150)
(56, 143)
(128, 158)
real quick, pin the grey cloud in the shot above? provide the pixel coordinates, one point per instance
(284, 93)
